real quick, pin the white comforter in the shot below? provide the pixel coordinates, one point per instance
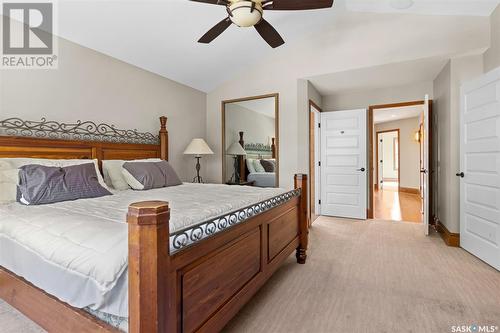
(77, 251)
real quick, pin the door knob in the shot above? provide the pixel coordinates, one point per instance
(362, 170)
(461, 174)
(423, 171)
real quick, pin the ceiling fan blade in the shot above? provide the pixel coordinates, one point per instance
(218, 29)
(297, 4)
(270, 35)
(214, 2)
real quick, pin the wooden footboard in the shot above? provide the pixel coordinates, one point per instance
(202, 287)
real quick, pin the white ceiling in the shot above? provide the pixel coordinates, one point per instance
(265, 106)
(392, 114)
(161, 35)
(385, 76)
(426, 7)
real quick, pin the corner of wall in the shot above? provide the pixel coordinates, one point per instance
(492, 55)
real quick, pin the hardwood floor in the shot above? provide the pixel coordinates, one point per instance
(397, 206)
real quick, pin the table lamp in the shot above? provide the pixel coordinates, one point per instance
(236, 150)
(198, 147)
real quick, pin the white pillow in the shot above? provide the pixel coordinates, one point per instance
(250, 166)
(258, 166)
(113, 176)
(134, 183)
(9, 173)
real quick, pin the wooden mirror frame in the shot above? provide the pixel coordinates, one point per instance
(276, 130)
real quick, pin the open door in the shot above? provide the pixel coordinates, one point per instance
(424, 164)
(480, 168)
(380, 163)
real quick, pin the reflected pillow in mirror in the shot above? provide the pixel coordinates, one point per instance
(258, 166)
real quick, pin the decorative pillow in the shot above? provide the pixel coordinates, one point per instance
(250, 165)
(112, 170)
(9, 173)
(39, 184)
(267, 165)
(149, 175)
(258, 167)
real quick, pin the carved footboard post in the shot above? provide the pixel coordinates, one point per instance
(301, 182)
(148, 233)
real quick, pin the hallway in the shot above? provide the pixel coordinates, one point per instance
(389, 204)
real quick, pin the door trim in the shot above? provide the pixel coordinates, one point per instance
(399, 154)
(312, 164)
(371, 109)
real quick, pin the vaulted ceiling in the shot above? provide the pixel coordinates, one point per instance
(161, 35)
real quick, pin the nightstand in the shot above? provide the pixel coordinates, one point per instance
(252, 183)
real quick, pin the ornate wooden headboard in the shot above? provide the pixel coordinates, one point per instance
(82, 140)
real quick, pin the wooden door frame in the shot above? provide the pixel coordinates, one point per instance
(371, 109)
(312, 164)
(397, 130)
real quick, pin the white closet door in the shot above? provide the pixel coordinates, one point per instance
(480, 168)
(343, 164)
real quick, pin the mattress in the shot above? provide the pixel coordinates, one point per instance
(263, 179)
(78, 250)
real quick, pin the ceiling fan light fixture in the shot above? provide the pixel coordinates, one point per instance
(245, 13)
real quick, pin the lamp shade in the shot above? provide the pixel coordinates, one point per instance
(198, 147)
(236, 149)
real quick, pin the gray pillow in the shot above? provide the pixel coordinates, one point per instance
(267, 165)
(40, 184)
(151, 175)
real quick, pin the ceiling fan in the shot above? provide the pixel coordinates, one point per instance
(249, 13)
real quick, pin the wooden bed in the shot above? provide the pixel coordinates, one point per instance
(168, 292)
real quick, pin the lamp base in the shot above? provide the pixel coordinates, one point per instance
(198, 178)
(235, 178)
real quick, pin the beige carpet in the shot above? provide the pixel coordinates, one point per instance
(372, 276)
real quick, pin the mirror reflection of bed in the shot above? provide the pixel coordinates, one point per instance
(250, 140)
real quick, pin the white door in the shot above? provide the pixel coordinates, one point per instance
(343, 164)
(317, 157)
(480, 164)
(380, 163)
(425, 166)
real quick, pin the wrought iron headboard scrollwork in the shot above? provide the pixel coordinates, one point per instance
(81, 131)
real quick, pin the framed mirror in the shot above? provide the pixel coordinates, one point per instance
(250, 138)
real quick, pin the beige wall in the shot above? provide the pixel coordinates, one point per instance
(492, 55)
(447, 109)
(92, 86)
(409, 150)
(390, 95)
(335, 50)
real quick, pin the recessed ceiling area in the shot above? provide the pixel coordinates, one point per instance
(399, 113)
(384, 76)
